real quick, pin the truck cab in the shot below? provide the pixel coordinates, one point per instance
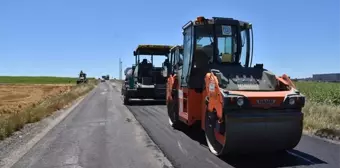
(146, 81)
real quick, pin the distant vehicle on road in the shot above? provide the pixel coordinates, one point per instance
(106, 77)
(82, 78)
(144, 80)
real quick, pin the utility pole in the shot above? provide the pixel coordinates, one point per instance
(120, 69)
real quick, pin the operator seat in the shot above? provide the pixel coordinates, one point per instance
(145, 68)
(145, 73)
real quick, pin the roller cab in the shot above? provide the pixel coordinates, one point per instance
(242, 108)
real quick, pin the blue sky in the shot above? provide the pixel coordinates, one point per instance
(61, 37)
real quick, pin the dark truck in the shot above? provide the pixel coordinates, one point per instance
(144, 80)
(106, 77)
(82, 78)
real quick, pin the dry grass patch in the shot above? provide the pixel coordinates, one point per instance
(35, 103)
(322, 109)
(15, 97)
(322, 119)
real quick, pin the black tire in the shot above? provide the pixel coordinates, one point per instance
(126, 100)
(214, 146)
(173, 112)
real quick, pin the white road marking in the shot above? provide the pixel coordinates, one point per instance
(181, 148)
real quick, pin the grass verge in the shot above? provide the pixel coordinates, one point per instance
(38, 79)
(16, 121)
(322, 120)
(322, 108)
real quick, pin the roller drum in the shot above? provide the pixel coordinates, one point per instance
(255, 132)
(270, 132)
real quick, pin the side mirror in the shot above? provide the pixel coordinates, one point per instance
(134, 53)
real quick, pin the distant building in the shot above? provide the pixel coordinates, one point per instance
(331, 77)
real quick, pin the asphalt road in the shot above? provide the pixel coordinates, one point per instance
(187, 148)
(99, 133)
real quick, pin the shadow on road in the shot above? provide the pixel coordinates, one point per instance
(289, 158)
(146, 103)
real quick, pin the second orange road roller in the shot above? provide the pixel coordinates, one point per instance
(241, 108)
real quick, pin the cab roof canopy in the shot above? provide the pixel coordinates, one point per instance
(201, 20)
(177, 46)
(152, 50)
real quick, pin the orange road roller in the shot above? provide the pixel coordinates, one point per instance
(241, 108)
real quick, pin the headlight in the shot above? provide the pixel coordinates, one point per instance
(291, 101)
(240, 101)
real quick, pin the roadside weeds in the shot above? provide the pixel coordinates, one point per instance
(16, 121)
(322, 120)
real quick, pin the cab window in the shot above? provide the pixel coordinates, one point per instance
(187, 54)
(225, 44)
(178, 56)
(204, 43)
(244, 48)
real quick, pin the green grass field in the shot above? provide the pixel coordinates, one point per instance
(37, 80)
(320, 92)
(322, 108)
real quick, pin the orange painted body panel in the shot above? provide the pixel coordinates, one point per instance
(214, 94)
(220, 138)
(278, 96)
(191, 105)
(262, 94)
(183, 116)
(286, 80)
(212, 91)
(170, 82)
(203, 108)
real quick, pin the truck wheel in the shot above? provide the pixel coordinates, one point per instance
(126, 100)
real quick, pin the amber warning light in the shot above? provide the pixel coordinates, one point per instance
(200, 19)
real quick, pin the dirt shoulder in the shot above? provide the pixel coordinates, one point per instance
(24, 104)
(22, 126)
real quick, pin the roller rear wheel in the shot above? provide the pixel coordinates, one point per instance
(172, 107)
(215, 147)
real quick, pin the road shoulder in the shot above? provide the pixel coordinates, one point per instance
(145, 141)
(14, 147)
